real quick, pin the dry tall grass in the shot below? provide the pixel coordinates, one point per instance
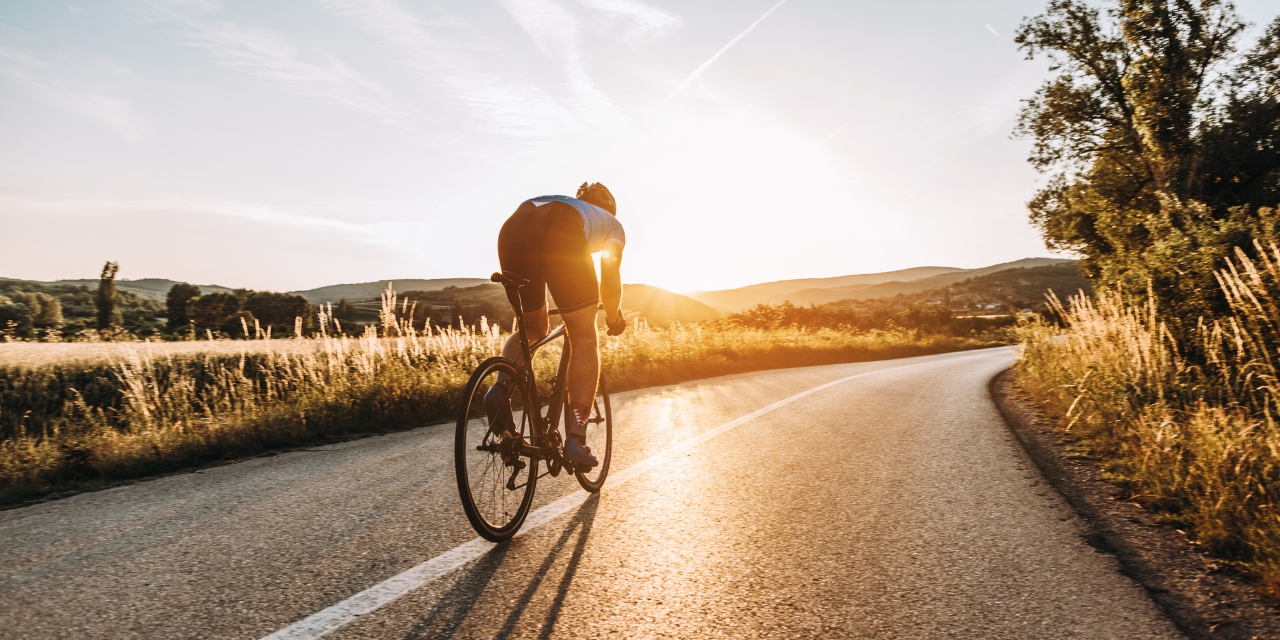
(150, 408)
(1192, 429)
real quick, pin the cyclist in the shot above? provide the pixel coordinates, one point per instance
(549, 241)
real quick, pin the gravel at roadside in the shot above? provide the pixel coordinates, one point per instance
(1203, 595)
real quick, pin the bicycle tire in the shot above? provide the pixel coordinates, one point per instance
(495, 510)
(593, 480)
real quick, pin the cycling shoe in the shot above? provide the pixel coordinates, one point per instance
(579, 454)
(497, 405)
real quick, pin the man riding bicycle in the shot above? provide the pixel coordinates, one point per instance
(548, 241)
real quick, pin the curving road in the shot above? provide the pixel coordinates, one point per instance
(891, 504)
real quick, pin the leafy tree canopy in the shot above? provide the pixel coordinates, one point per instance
(176, 301)
(1162, 140)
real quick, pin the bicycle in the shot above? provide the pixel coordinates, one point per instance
(497, 464)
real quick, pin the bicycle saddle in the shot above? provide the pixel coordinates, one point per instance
(508, 278)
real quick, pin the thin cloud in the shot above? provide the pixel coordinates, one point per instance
(397, 233)
(644, 23)
(556, 31)
(87, 90)
(432, 51)
(269, 55)
(278, 240)
(698, 72)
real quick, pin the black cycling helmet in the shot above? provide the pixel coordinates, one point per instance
(599, 195)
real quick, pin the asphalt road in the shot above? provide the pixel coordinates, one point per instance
(890, 505)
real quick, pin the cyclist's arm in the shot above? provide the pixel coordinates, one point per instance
(611, 281)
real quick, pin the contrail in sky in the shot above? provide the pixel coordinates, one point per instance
(697, 72)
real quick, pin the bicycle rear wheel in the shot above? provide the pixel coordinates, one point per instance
(495, 480)
(599, 438)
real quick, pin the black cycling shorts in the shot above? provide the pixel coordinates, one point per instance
(547, 246)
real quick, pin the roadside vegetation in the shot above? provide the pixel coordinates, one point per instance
(1188, 422)
(1161, 137)
(83, 415)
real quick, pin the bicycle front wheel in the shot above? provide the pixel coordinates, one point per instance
(495, 479)
(599, 438)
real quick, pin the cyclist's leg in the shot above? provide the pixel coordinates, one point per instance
(571, 276)
(496, 399)
(584, 359)
(535, 328)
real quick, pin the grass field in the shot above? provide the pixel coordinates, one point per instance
(79, 416)
(1191, 429)
(35, 354)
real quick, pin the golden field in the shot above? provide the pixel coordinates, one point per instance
(75, 416)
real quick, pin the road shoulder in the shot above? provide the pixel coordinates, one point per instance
(1203, 596)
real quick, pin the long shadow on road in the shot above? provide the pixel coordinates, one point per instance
(449, 614)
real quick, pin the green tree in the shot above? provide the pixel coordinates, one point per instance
(213, 310)
(239, 325)
(1162, 149)
(108, 316)
(344, 310)
(176, 303)
(45, 310)
(50, 313)
(15, 320)
(277, 310)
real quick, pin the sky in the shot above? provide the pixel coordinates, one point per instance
(291, 144)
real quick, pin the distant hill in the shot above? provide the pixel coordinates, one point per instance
(1006, 289)
(749, 296)
(149, 288)
(659, 306)
(372, 290)
(888, 289)
(662, 307)
(158, 288)
(855, 287)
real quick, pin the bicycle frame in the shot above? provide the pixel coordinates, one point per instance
(542, 426)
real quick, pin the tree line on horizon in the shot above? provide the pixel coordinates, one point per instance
(33, 310)
(59, 312)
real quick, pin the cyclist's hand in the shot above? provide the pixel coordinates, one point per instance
(616, 328)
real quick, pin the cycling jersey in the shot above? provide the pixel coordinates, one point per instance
(600, 226)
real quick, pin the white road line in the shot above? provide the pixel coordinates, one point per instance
(335, 617)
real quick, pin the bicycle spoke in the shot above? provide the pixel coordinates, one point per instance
(495, 481)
